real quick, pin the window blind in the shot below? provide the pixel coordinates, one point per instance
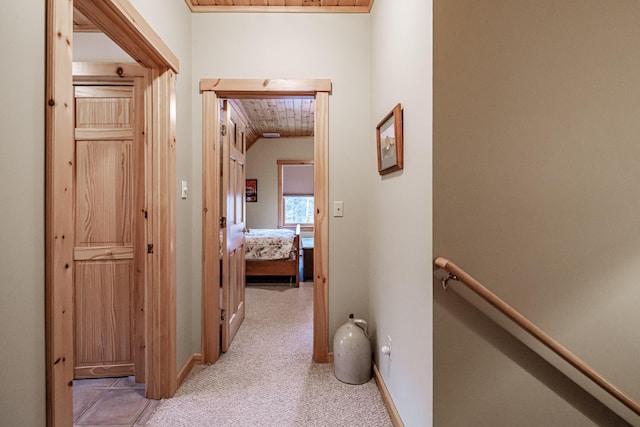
(297, 180)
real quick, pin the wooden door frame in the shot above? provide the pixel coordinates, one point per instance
(118, 20)
(212, 90)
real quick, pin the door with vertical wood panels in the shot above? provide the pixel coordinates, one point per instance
(233, 206)
(106, 167)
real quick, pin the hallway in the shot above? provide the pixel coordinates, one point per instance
(266, 378)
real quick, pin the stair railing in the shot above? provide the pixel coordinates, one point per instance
(459, 275)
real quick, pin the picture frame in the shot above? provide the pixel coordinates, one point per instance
(389, 142)
(251, 190)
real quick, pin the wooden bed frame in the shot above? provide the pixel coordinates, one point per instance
(280, 267)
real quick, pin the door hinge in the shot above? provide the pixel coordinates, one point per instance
(150, 248)
(223, 314)
(223, 222)
(223, 130)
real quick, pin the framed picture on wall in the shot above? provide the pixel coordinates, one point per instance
(251, 191)
(389, 142)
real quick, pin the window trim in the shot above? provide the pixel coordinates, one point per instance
(281, 223)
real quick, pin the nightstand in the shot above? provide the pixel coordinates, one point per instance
(307, 258)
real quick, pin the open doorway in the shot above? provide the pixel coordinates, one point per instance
(212, 91)
(124, 25)
(110, 244)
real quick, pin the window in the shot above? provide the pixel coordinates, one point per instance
(298, 209)
(295, 193)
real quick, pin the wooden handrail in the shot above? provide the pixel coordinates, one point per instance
(460, 275)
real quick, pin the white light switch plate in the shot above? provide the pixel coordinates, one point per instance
(184, 189)
(338, 208)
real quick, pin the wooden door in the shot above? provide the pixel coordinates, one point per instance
(104, 257)
(233, 206)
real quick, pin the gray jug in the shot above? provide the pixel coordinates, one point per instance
(352, 353)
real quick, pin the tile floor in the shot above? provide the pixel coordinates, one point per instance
(111, 402)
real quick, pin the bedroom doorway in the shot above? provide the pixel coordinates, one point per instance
(212, 91)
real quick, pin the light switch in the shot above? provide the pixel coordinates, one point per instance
(338, 208)
(184, 189)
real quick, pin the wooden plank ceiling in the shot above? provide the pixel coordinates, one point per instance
(296, 6)
(287, 117)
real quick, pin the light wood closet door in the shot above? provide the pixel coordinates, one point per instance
(105, 159)
(233, 184)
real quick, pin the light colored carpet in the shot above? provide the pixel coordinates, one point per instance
(267, 377)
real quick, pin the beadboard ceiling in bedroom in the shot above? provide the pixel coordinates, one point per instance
(288, 117)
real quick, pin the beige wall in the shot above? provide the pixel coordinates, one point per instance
(96, 47)
(399, 207)
(172, 22)
(22, 396)
(262, 165)
(330, 46)
(536, 183)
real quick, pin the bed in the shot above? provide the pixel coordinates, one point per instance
(273, 252)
